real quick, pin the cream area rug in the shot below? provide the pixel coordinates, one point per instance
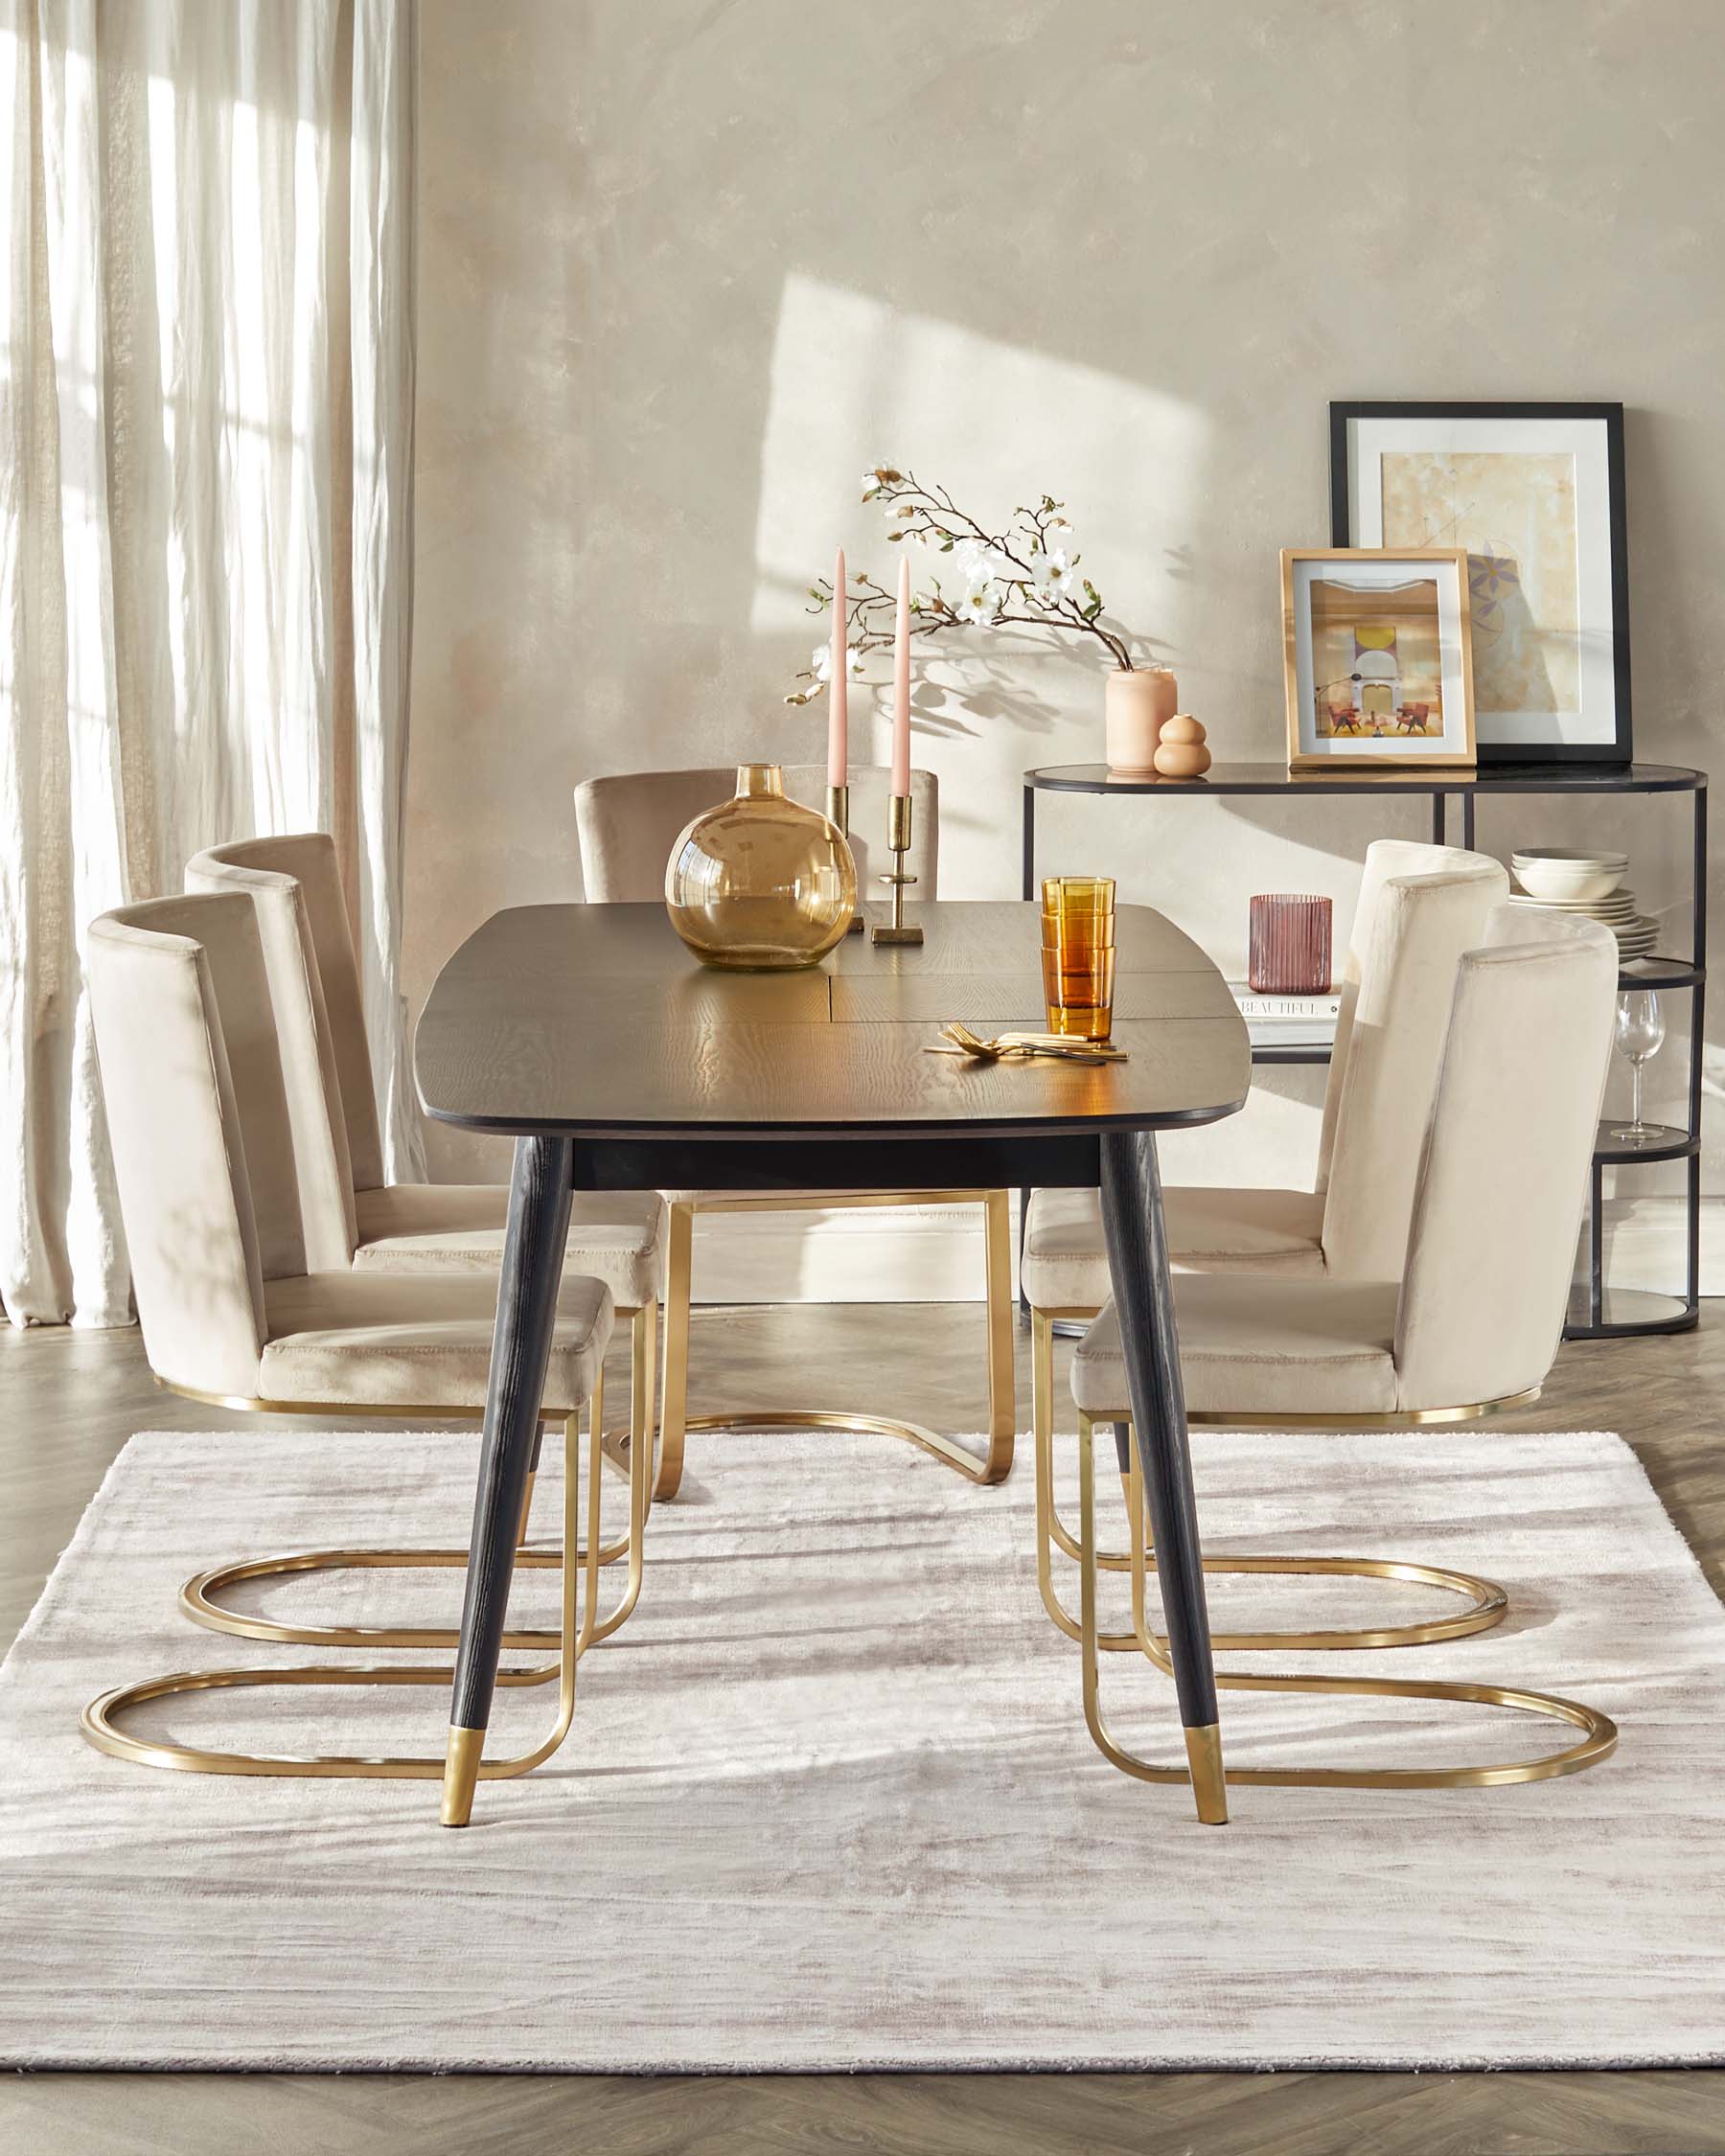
(829, 1802)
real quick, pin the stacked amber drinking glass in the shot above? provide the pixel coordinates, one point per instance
(1078, 955)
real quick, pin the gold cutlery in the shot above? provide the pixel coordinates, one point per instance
(1014, 1047)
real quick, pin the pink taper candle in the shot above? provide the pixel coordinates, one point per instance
(901, 684)
(839, 684)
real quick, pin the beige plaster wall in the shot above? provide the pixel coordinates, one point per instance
(687, 268)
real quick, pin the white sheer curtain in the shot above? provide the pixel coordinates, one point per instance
(206, 420)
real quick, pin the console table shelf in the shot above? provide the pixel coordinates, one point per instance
(1663, 1142)
(1599, 1311)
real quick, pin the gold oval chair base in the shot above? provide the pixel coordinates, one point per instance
(198, 1598)
(578, 1630)
(1488, 1603)
(99, 1728)
(1598, 1741)
(993, 1467)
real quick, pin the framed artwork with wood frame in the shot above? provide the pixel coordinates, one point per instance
(1535, 494)
(1378, 657)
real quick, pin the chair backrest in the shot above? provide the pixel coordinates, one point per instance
(1503, 1176)
(197, 1118)
(1420, 908)
(628, 824)
(310, 858)
(304, 1032)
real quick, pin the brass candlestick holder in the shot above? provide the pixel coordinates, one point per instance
(839, 813)
(898, 840)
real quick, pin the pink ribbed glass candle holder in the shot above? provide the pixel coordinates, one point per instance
(1289, 950)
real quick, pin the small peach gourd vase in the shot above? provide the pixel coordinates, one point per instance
(761, 884)
(1181, 752)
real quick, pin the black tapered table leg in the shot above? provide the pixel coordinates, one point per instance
(1137, 1262)
(540, 1192)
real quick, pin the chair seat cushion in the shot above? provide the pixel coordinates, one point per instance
(1260, 1348)
(405, 1340)
(616, 1236)
(1064, 1266)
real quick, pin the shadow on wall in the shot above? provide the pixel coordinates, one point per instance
(847, 368)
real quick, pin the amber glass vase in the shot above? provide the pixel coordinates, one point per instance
(761, 884)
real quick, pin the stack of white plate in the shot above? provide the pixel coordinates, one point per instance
(1559, 880)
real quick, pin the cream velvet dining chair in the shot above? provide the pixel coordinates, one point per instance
(350, 1214)
(627, 825)
(1468, 1323)
(232, 1312)
(1420, 908)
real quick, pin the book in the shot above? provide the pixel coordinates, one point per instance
(1323, 1007)
(1290, 1033)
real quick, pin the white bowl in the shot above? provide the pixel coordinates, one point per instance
(1609, 855)
(1568, 876)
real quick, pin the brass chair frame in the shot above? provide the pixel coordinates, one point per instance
(1003, 1417)
(1487, 1603)
(1597, 1743)
(578, 1630)
(198, 1597)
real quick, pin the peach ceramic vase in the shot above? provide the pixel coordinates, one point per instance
(1137, 706)
(761, 884)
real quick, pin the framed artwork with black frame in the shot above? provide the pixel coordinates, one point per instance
(1534, 494)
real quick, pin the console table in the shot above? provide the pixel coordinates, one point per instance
(1597, 1312)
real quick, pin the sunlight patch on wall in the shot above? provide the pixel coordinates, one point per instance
(856, 382)
(853, 381)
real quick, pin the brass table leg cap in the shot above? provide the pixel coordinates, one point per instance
(1210, 1788)
(461, 1774)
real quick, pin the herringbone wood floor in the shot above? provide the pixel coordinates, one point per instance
(68, 1401)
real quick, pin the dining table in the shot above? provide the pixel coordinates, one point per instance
(616, 1061)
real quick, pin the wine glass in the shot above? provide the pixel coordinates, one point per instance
(1641, 1031)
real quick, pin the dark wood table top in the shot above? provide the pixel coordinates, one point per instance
(594, 1021)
